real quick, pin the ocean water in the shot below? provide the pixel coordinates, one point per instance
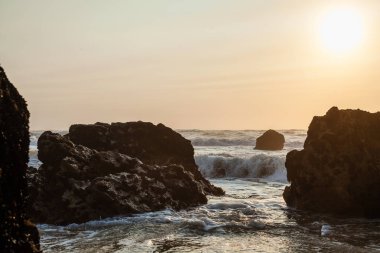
(251, 217)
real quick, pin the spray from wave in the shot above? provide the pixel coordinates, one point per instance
(222, 142)
(257, 166)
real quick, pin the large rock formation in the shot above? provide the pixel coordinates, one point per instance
(76, 183)
(17, 233)
(270, 140)
(153, 145)
(338, 171)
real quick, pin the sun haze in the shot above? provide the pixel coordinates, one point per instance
(342, 29)
(191, 64)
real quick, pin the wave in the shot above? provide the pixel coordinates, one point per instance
(298, 144)
(257, 166)
(237, 214)
(294, 144)
(223, 142)
(33, 157)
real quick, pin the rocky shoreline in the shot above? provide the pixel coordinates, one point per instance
(93, 172)
(106, 170)
(17, 232)
(338, 171)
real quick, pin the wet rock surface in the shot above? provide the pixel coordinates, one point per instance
(270, 140)
(17, 233)
(338, 171)
(152, 144)
(78, 183)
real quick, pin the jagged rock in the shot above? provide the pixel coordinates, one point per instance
(270, 140)
(77, 184)
(17, 233)
(153, 145)
(338, 171)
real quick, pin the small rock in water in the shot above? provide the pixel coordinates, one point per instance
(270, 140)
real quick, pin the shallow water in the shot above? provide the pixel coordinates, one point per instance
(251, 217)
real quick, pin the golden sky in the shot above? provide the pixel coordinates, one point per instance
(205, 64)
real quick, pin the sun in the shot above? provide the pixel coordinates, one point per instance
(341, 30)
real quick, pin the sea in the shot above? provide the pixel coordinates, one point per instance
(251, 217)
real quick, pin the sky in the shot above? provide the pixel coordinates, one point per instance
(190, 64)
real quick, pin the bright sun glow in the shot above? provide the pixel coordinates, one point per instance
(341, 30)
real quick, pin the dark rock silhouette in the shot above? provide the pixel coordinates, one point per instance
(270, 140)
(153, 145)
(76, 183)
(338, 171)
(17, 233)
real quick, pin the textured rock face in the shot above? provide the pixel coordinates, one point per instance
(270, 140)
(77, 184)
(153, 145)
(338, 171)
(17, 233)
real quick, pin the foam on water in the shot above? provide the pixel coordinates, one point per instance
(251, 217)
(221, 142)
(325, 230)
(33, 151)
(257, 166)
(294, 138)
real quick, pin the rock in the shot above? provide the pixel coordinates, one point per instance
(338, 171)
(17, 233)
(76, 183)
(153, 145)
(270, 140)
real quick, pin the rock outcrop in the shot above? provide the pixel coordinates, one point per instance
(78, 183)
(17, 233)
(270, 140)
(153, 145)
(338, 171)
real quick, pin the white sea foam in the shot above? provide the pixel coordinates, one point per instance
(325, 230)
(221, 137)
(226, 153)
(250, 204)
(257, 166)
(229, 205)
(293, 138)
(222, 142)
(225, 224)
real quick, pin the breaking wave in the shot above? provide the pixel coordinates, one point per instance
(222, 142)
(257, 166)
